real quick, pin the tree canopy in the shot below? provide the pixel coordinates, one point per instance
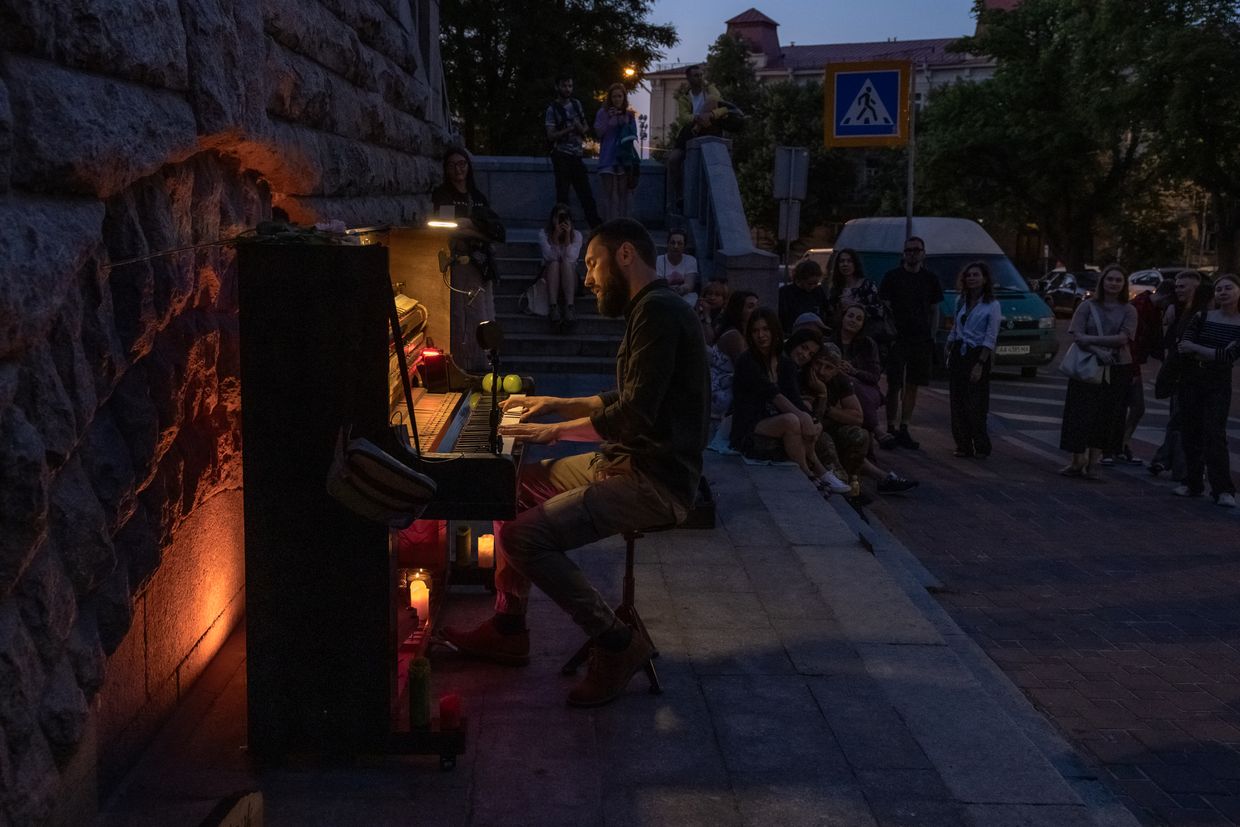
(1096, 114)
(784, 113)
(501, 58)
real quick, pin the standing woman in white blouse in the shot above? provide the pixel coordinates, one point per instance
(970, 351)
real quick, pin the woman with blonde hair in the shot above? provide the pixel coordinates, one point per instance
(616, 128)
(1093, 413)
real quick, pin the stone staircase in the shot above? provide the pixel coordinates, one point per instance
(530, 346)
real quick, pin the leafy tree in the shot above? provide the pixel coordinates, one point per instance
(777, 114)
(501, 57)
(1057, 134)
(1193, 49)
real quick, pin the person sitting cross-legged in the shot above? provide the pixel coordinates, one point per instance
(847, 443)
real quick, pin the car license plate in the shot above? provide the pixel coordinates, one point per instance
(1012, 350)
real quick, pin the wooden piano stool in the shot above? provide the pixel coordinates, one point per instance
(702, 516)
(627, 612)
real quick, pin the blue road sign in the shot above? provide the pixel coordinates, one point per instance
(867, 104)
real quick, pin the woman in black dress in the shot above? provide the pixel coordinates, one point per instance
(1210, 348)
(768, 413)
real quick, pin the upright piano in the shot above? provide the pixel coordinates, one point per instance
(323, 615)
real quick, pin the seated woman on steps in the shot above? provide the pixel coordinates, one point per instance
(561, 246)
(769, 418)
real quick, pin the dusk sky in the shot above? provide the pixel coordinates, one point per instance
(809, 21)
(816, 21)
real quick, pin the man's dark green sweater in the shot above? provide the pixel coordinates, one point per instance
(659, 416)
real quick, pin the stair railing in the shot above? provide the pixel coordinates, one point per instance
(717, 221)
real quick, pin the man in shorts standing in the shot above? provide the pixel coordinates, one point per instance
(913, 293)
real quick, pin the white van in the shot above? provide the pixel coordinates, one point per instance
(1027, 333)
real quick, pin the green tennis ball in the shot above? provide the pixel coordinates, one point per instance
(513, 383)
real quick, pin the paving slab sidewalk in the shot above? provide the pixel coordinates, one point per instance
(805, 683)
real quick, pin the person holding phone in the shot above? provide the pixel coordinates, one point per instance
(561, 246)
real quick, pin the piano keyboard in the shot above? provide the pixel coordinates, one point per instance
(475, 434)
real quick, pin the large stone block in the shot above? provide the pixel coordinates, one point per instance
(44, 243)
(48, 605)
(309, 29)
(306, 27)
(31, 798)
(142, 545)
(225, 43)
(397, 210)
(140, 40)
(24, 485)
(78, 526)
(304, 92)
(63, 712)
(42, 396)
(21, 679)
(106, 458)
(6, 138)
(113, 606)
(374, 26)
(315, 163)
(202, 574)
(86, 653)
(138, 423)
(86, 134)
(80, 374)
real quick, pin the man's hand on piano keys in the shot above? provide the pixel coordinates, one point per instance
(530, 406)
(535, 432)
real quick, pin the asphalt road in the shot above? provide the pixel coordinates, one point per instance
(1114, 605)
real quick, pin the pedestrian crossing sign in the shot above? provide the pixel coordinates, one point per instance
(867, 104)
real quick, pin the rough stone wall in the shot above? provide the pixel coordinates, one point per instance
(128, 129)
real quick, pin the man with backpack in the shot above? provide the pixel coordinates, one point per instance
(565, 122)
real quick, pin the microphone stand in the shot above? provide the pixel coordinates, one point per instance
(496, 443)
(490, 337)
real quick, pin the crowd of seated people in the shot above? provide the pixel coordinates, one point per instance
(801, 384)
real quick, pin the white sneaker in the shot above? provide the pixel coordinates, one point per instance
(1226, 500)
(1185, 491)
(834, 484)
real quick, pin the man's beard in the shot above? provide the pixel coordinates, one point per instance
(614, 297)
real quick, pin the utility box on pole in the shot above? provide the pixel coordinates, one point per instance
(791, 179)
(790, 183)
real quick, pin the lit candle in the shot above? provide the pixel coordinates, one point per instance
(420, 600)
(486, 551)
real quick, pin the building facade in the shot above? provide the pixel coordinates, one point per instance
(935, 64)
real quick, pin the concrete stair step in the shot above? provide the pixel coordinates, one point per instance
(561, 344)
(508, 303)
(543, 366)
(588, 324)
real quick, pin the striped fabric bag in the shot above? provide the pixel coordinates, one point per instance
(371, 483)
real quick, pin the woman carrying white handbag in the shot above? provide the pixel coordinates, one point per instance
(1093, 411)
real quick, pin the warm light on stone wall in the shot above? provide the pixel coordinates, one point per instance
(124, 134)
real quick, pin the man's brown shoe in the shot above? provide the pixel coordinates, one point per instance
(486, 642)
(609, 673)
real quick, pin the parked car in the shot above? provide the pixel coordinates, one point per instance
(1145, 280)
(1064, 290)
(1027, 332)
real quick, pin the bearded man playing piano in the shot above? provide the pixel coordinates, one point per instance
(653, 429)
